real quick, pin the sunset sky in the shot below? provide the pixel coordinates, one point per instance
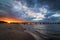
(30, 10)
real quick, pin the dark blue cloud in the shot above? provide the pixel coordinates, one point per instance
(31, 6)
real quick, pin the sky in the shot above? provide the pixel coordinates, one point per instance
(30, 10)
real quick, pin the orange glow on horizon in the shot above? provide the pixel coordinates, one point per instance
(9, 20)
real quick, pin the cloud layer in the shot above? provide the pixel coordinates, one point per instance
(32, 10)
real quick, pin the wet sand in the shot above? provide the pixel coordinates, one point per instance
(14, 32)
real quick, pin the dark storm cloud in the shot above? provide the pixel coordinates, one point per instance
(6, 8)
(54, 4)
(30, 3)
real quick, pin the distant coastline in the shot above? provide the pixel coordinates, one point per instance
(32, 22)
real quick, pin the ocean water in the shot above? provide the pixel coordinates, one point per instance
(51, 30)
